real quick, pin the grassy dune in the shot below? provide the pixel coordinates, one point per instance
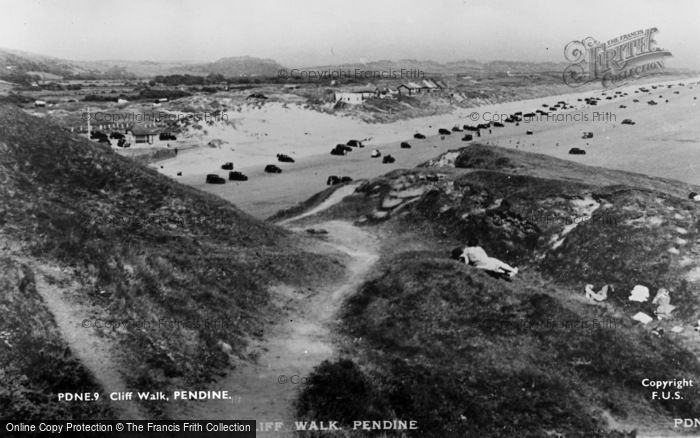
(465, 354)
(35, 362)
(182, 274)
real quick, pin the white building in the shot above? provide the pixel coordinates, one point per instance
(354, 97)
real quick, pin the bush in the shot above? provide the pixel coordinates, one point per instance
(337, 391)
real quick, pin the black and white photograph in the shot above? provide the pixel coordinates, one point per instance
(348, 219)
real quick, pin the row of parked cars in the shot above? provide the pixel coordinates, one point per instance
(214, 178)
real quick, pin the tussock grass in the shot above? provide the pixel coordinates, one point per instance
(35, 363)
(184, 270)
(469, 355)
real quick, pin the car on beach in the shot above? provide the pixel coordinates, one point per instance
(237, 176)
(284, 158)
(213, 178)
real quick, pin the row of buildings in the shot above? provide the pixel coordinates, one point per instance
(355, 96)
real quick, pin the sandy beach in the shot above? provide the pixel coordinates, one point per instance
(253, 137)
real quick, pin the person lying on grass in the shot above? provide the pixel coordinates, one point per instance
(475, 255)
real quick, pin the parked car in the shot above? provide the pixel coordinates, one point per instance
(340, 149)
(213, 178)
(271, 168)
(332, 180)
(237, 176)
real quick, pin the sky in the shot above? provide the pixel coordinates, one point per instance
(321, 32)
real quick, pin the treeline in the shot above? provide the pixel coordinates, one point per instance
(174, 80)
(20, 78)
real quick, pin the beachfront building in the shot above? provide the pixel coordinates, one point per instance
(409, 88)
(355, 97)
(387, 92)
(424, 86)
(430, 86)
(144, 135)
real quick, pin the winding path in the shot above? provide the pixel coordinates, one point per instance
(266, 391)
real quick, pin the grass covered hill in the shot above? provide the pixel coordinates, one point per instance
(186, 272)
(465, 354)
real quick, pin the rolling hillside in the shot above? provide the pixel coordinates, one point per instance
(465, 354)
(173, 283)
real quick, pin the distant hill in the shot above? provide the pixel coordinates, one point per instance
(234, 67)
(16, 63)
(141, 69)
(13, 62)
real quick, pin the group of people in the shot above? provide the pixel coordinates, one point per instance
(476, 256)
(473, 254)
(640, 294)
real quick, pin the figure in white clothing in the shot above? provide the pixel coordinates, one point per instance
(601, 295)
(663, 304)
(639, 294)
(476, 256)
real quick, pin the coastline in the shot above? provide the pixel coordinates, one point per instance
(264, 194)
